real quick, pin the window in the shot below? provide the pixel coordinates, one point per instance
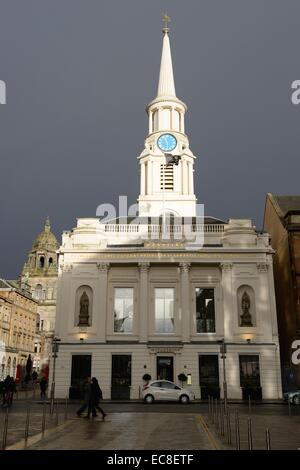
(38, 293)
(50, 261)
(249, 371)
(156, 384)
(42, 261)
(164, 310)
(205, 310)
(168, 385)
(123, 310)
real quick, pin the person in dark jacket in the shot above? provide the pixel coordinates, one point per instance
(87, 396)
(43, 387)
(96, 396)
(5, 391)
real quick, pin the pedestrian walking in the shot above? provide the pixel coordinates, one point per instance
(11, 390)
(87, 397)
(43, 387)
(96, 396)
(6, 391)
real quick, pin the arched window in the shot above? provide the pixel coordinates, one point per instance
(246, 306)
(14, 367)
(8, 366)
(50, 261)
(3, 368)
(39, 294)
(42, 261)
(84, 306)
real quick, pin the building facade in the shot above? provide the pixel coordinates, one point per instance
(39, 276)
(282, 221)
(162, 292)
(18, 320)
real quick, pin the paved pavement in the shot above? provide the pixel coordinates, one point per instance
(159, 426)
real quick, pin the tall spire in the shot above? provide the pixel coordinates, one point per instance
(166, 86)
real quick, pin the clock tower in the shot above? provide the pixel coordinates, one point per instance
(166, 163)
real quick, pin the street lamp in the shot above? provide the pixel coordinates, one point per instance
(55, 348)
(223, 350)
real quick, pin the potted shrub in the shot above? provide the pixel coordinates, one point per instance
(146, 378)
(183, 378)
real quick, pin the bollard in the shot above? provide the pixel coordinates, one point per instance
(26, 433)
(250, 444)
(228, 427)
(209, 406)
(222, 417)
(26, 393)
(5, 428)
(249, 405)
(66, 409)
(44, 418)
(237, 432)
(268, 440)
(56, 413)
(217, 414)
(33, 395)
(212, 411)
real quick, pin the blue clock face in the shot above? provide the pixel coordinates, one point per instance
(167, 142)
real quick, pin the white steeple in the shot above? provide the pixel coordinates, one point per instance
(166, 188)
(166, 85)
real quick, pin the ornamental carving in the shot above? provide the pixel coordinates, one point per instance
(262, 267)
(226, 267)
(103, 267)
(67, 268)
(185, 267)
(84, 310)
(246, 318)
(144, 267)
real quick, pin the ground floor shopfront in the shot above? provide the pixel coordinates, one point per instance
(249, 369)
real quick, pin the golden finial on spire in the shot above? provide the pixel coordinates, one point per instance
(166, 19)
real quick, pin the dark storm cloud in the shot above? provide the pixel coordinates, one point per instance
(79, 74)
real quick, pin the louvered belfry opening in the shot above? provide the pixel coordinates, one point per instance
(166, 177)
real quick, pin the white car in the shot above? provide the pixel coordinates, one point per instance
(157, 390)
(293, 397)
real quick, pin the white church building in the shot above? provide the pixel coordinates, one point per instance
(163, 293)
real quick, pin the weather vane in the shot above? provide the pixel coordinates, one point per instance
(166, 19)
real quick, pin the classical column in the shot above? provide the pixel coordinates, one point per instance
(191, 179)
(149, 177)
(184, 177)
(144, 302)
(150, 122)
(227, 294)
(142, 178)
(265, 297)
(159, 118)
(103, 275)
(185, 302)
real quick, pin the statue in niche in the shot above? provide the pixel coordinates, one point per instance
(246, 318)
(84, 310)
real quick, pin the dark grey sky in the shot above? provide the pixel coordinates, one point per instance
(79, 75)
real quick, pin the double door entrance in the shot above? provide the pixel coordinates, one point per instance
(165, 368)
(121, 377)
